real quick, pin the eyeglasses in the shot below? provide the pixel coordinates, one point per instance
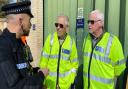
(93, 21)
(60, 25)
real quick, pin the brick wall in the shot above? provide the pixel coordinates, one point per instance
(2, 23)
(35, 38)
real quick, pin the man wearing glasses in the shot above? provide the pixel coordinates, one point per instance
(103, 55)
(59, 55)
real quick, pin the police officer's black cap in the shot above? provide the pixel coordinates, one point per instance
(17, 8)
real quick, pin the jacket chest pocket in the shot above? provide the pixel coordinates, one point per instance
(65, 54)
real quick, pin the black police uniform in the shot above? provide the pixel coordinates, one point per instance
(15, 69)
(0, 32)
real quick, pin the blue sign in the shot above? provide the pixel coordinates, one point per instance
(80, 23)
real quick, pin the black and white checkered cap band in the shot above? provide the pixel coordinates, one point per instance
(18, 10)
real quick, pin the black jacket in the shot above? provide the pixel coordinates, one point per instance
(15, 70)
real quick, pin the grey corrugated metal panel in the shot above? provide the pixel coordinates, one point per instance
(53, 15)
(52, 18)
(72, 17)
(66, 7)
(126, 31)
(53, 8)
(113, 16)
(100, 4)
(60, 4)
(46, 6)
(106, 15)
(49, 17)
(88, 7)
(81, 3)
(79, 33)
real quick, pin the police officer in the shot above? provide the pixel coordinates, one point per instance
(15, 69)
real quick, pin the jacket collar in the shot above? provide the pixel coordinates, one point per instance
(10, 36)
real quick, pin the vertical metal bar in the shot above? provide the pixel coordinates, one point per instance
(106, 15)
(76, 22)
(122, 21)
(94, 6)
(121, 83)
(43, 19)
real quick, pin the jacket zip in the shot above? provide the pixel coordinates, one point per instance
(58, 65)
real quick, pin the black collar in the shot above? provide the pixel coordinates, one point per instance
(11, 37)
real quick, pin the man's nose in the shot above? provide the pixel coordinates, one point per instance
(58, 28)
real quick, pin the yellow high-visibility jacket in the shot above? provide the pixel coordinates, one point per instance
(68, 61)
(102, 63)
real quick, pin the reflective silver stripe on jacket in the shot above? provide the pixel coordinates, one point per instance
(62, 75)
(64, 57)
(54, 56)
(105, 58)
(45, 55)
(109, 45)
(74, 60)
(99, 79)
(71, 42)
(120, 62)
(51, 40)
(98, 57)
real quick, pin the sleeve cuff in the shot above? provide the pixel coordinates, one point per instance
(41, 74)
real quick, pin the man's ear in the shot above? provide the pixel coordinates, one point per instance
(20, 20)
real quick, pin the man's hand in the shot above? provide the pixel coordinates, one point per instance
(45, 71)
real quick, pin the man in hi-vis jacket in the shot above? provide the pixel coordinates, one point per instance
(59, 55)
